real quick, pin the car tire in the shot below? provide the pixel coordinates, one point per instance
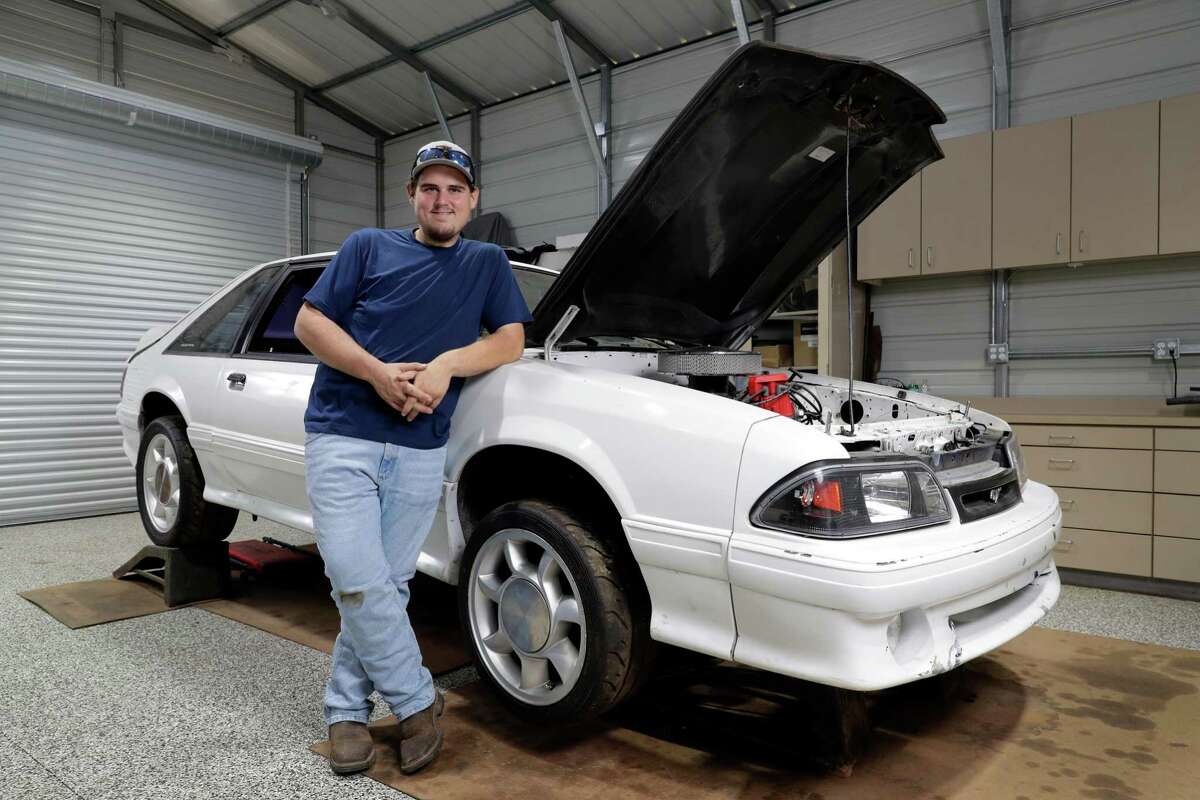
(557, 622)
(170, 489)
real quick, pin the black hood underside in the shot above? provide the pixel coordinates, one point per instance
(741, 196)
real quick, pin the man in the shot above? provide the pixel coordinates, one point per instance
(394, 321)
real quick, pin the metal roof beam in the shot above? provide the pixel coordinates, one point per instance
(437, 41)
(271, 71)
(437, 107)
(250, 17)
(402, 53)
(998, 20)
(739, 21)
(595, 53)
(766, 10)
(585, 115)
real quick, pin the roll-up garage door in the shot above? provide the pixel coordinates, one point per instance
(107, 230)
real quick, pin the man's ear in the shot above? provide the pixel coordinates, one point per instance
(411, 189)
(474, 197)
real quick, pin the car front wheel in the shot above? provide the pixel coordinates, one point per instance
(555, 619)
(171, 489)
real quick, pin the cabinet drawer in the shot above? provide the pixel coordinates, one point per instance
(1178, 473)
(1085, 436)
(1088, 468)
(1176, 559)
(1126, 512)
(1127, 553)
(1176, 515)
(1177, 439)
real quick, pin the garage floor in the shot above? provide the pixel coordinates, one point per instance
(169, 705)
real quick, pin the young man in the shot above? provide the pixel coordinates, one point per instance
(394, 320)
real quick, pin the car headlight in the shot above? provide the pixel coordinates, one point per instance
(844, 500)
(1015, 459)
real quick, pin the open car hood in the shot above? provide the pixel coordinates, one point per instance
(734, 202)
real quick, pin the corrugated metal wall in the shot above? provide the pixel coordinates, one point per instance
(51, 35)
(108, 230)
(341, 188)
(1063, 63)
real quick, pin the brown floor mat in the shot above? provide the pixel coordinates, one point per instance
(87, 603)
(1052, 714)
(299, 608)
(292, 603)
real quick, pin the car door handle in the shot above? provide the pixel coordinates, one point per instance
(237, 381)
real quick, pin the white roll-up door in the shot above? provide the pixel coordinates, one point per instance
(107, 230)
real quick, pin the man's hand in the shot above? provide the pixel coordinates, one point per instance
(394, 383)
(431, 382)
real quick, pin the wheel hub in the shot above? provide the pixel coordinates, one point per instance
(525, 615)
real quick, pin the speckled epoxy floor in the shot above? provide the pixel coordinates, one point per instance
(187, 704)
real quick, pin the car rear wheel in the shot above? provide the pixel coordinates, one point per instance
(555, 619)
(171, 489)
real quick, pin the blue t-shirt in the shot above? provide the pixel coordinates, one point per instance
(405, 301)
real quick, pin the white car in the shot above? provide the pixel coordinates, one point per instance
(633, 478)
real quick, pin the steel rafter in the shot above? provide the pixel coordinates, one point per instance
(397, 50)
(1001, 298)
(595, 53)
(275, 73)
(250, 17)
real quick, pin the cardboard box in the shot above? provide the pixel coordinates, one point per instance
(804, 351)
(775, 355)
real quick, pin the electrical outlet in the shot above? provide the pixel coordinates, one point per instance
(1165, 349)
(997, 353)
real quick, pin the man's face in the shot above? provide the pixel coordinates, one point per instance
(443, 203)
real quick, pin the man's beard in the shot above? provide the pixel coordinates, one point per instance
(435, 236)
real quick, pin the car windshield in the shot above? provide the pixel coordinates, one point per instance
(533, 284)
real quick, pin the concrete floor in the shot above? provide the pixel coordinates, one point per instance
(191, 705)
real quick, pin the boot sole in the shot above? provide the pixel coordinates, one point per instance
(348, 768)
(425, 760)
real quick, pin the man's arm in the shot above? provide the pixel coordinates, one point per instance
(502, 347)
(326, 340)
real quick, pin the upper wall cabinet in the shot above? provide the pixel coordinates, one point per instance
(889, 241)
(1179, 229)
(1031, 200)
(956, 207)
(1114, 183)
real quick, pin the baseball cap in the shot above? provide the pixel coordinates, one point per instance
(446, 153)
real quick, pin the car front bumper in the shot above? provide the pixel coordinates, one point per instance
(874, 614)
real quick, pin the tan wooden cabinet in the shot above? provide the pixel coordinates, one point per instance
(1179, 189)
(1031, 194)
(956, 208)
(1114, 183)
(889, 241)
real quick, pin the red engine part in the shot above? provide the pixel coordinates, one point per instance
(769, 392)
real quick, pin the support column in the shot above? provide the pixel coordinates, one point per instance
(585, 116)
(380, 200)
(999, 33)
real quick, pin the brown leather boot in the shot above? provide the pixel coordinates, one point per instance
(421, 736)
(350, 747)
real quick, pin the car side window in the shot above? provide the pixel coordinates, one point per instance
(273, 333)
(216, 329)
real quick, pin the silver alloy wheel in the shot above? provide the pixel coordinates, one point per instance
(526, 617)
(160, 483)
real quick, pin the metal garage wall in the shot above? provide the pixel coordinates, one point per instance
(51, 35)
(1068, 57)
(935, 332)
(1105, 305)
(107, 230)
(202, 79)
(341, 189)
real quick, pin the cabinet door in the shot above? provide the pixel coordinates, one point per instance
(1031, 195)
(956, 207)
(1114, 183)
(1180, 175)
(889, 241)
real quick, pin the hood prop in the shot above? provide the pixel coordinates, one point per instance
(849, 274)
(559, 328)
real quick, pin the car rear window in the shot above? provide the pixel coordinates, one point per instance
(216, 330)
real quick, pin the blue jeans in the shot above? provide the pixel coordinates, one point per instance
(372, 506)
